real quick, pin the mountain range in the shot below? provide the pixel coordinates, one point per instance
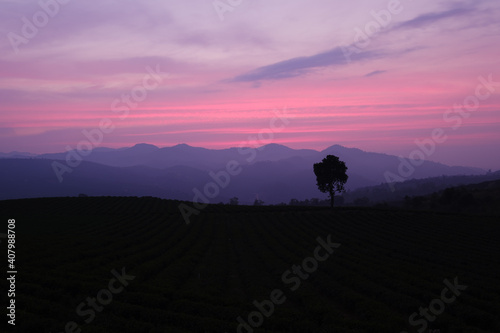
(272, 173)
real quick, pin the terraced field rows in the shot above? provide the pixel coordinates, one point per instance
(202, 276)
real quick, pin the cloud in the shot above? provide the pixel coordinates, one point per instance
(301, 65)
(429, 18)
(374, 73)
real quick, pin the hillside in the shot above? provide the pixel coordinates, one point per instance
(414, 187)
(481, 198)
(202, 276)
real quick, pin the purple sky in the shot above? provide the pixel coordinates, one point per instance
(347, 72)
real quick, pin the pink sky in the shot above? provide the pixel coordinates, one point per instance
(222, 79)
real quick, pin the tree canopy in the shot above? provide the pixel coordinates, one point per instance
(331, 176)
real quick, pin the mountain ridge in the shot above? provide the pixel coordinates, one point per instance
(262, 153)
(274, 173)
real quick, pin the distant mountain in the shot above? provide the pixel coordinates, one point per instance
(123, 157)
(370, 165)
(273, 173)
(373, 166)
(16, 154)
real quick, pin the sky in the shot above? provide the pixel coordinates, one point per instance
(383, 76)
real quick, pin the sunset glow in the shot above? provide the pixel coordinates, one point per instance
(193, 78)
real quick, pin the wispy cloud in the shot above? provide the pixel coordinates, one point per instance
(301, 65)
(374, 73)
(430, 18)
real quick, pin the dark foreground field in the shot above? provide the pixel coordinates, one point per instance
(134, 265)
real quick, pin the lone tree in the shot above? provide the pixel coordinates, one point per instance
(330, 176)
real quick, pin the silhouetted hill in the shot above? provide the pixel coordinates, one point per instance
(22, 178)
(482, 198)
(415, 187)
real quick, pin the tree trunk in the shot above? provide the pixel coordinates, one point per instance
(332, 199)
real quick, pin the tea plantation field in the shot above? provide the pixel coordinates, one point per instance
(126, 264)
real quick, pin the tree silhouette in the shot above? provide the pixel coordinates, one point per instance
(258, 202)
(330, 176)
